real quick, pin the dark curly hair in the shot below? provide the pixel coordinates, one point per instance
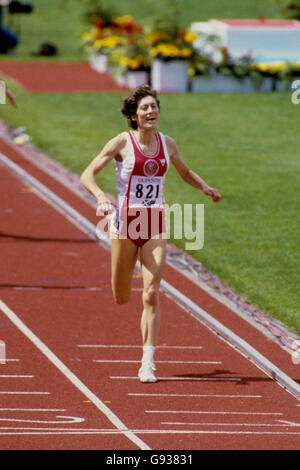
(130, 103)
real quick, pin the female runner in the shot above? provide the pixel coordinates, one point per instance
(142, 158)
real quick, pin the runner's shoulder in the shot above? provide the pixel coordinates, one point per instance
(171, 144)
(117, 144)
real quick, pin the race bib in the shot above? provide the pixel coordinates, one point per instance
(146, 191)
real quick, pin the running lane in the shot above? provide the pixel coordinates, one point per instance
(70, 378)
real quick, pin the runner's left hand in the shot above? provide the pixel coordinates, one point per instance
(11, 97)
(214, 193)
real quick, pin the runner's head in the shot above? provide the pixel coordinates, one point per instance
(131, 106)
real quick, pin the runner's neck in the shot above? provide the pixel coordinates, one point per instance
(147, 141)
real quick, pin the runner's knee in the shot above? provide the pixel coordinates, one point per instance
(121, 298)
(150, 295)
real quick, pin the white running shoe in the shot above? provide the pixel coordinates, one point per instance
(146, 372)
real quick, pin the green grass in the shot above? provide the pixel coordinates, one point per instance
(246, 145)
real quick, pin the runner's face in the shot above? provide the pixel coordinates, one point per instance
(147, 113)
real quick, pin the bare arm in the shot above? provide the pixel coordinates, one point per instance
(110, 151)
(187, 174)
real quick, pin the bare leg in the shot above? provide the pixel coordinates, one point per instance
(123, 257)
(152, 261)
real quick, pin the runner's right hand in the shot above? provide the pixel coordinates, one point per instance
(104, 206)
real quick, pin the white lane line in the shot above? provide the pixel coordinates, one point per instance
(72, 377)
(23, 393)
(232, 339)
(191, 395)
(16, 376)
(117, 346)
(204, 412)
(288, 423)
(204, 379)
(146, 431)
(31, 409)
(229, 424)
(156, 362)
(64, 420)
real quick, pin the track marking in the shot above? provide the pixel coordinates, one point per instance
(24, 393)
(229, 424)
(156, 362)
(31, 409)
(289, 423)
(134, 346)
(70, 376)
(215, 412)
(64, 420)
(191, 395)
(16, 376)
(213, 379)
(57, 431)
(12, 360)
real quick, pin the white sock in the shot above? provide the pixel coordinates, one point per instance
(148, 354)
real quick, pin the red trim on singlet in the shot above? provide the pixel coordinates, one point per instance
(137, 145)
(155, 216)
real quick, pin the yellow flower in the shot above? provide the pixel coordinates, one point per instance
(153, 51)
(168, 49)
(124, 61)
(110, 42)
(134, 64)
(190, 37)
(123, 20)
(154, 37)
(98, 44)
(88, 36)
(185, 52)
(272, 68)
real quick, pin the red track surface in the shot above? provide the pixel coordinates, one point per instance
(57, 281)
(59, 77)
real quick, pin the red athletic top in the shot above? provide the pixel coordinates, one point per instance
(141, 180)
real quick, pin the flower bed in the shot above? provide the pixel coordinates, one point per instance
(168, 59)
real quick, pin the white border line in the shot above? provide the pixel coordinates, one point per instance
(141, 431)
(231, 338)
(211, 323)
(194, 395)
(72, 377)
